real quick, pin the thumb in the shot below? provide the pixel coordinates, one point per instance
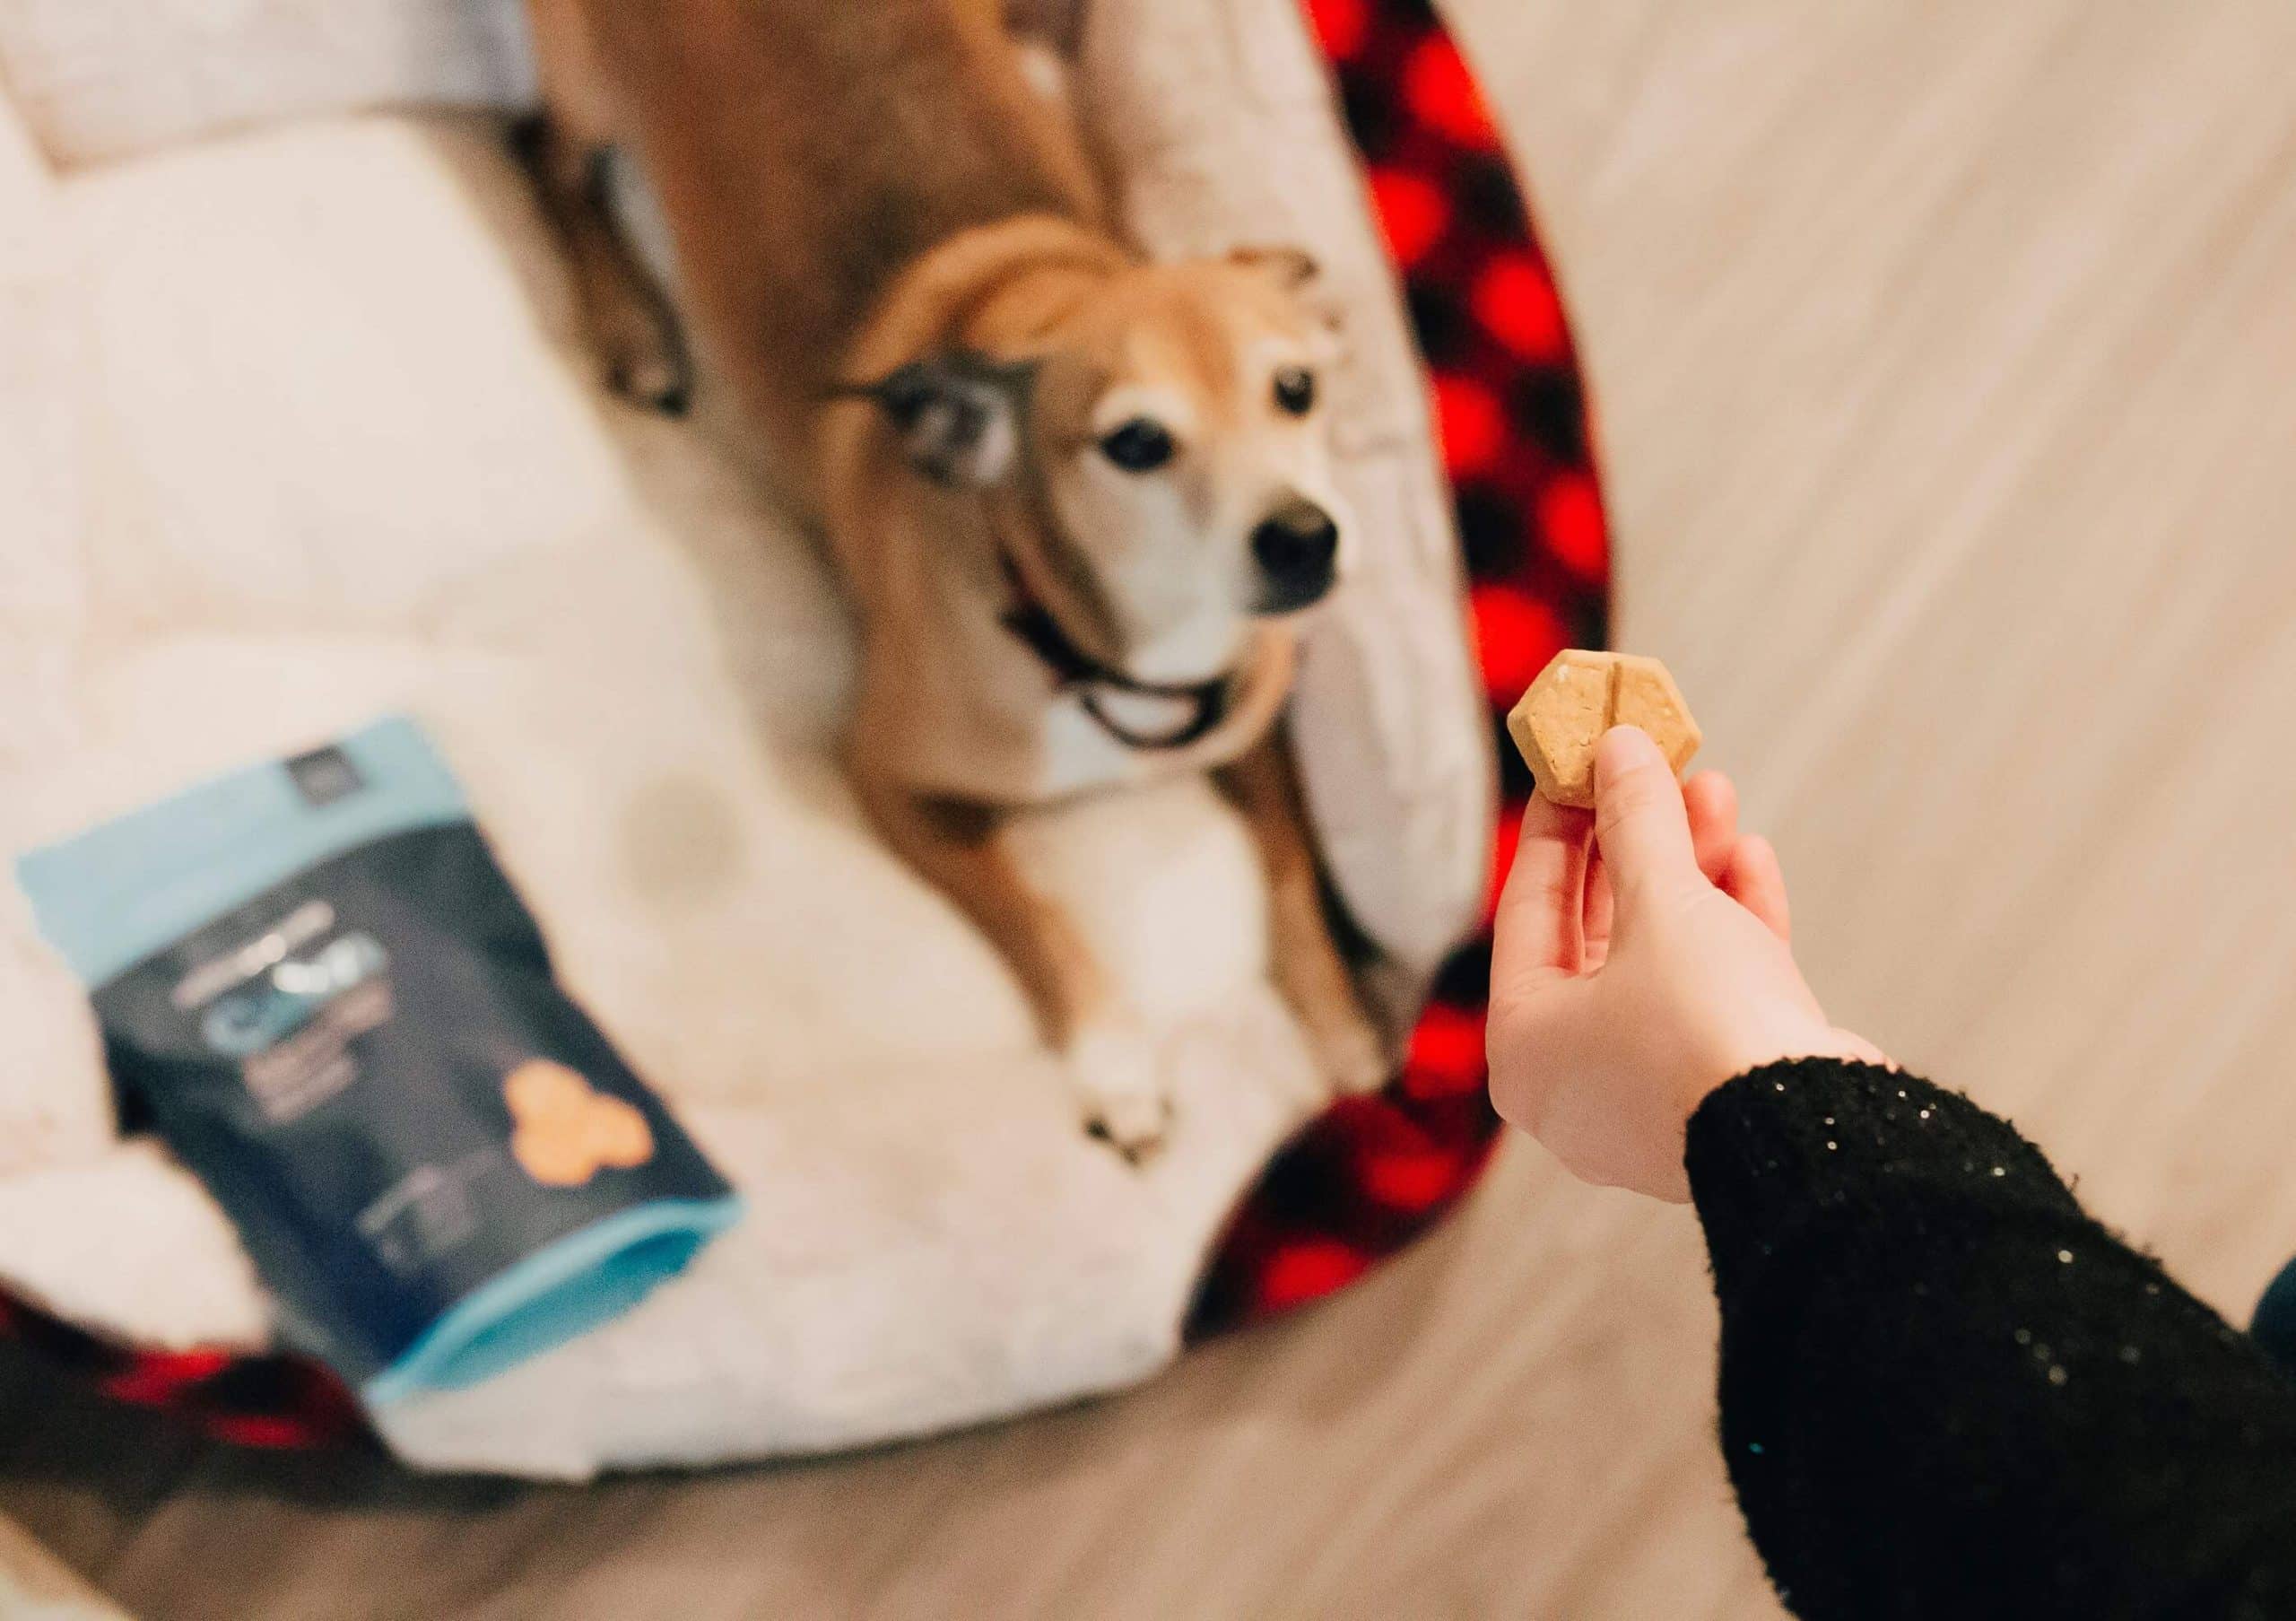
(1639, 820)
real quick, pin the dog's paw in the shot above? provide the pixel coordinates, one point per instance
(1353, 1056)
(1120, 1083)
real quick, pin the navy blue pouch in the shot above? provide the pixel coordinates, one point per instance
(318, 986)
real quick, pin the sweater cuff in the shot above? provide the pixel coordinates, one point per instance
(1825, 1140)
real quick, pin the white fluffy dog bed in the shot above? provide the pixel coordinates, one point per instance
(294, 430)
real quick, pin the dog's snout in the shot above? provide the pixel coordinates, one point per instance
(1297, 548)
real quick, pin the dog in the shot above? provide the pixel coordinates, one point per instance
(1080, 501)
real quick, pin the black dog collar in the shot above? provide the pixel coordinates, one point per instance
(1074, 670)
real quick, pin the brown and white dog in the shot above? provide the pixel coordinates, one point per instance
(1079, 500)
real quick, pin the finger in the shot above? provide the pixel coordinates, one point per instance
(1712, 799)
(1601, 909)
(1756, 882)
(1540, 914)
(1640, 818)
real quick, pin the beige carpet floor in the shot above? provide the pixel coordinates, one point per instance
(1946, 360)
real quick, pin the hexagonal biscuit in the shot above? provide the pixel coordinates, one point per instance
(1578, 697)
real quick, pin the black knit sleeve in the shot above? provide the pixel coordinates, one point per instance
(1946, 1391)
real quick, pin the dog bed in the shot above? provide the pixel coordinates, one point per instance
(294, 430)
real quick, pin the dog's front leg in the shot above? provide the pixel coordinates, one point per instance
(1303, 956)
(965, 851)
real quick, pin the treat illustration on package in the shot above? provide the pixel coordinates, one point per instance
(565, 1130)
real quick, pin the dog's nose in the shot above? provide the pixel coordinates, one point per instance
(1297, 547)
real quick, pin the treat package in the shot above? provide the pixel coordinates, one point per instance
(318, 989)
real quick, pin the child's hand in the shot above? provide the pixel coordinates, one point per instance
(1630, 980)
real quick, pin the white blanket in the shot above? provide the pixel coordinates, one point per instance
(294, 429)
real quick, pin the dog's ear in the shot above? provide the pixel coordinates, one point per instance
(1295, 270)
(1290, 266)
(959, 417)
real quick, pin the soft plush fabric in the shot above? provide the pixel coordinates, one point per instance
(48, 1111)
(107, 79)
(308, 437)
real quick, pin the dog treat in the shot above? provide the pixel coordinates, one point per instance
(1578, 697)
(318, 986)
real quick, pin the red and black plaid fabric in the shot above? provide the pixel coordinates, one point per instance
(255, 1401)
(1372, 1173)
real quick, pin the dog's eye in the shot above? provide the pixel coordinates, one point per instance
(1139, 446)
(1295, 390)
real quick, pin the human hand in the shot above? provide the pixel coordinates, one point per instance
(1630, 979)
